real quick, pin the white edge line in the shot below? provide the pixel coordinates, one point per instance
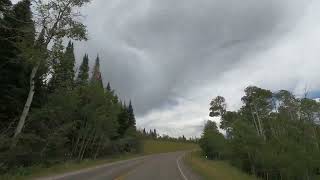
(181, 172)
(86, 170)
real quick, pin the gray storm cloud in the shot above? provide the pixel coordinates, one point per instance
(164, 54)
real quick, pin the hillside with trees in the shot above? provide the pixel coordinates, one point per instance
(274, 135)
(50, 113)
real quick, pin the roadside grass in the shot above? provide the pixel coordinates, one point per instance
(157, 146)
(149, 147)
(214, 170)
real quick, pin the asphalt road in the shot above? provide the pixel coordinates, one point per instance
(167, 166)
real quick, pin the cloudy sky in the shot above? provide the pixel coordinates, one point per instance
(171, 57)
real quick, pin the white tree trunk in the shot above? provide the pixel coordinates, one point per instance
(254, 121)
(26, 108)
(259, 122)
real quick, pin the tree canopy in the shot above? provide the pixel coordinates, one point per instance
(274, 135)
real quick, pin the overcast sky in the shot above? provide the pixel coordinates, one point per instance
(171, 57)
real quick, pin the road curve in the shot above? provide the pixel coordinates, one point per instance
(166, 166)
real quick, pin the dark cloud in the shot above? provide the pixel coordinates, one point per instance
(155, 49)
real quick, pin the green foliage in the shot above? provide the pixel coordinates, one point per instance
(16, 28)
(212, 142)
(61, 19)
(214, 170)
(96, 75)
(273, 135)
(83, 75)
(73, 124)
(70, 118)
(63, 67)
(217, 106)
(131, 117)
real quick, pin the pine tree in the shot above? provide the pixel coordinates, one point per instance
(23, 23)
(4, 4)
(123, 120)
(68, 62)
(132, 119)
(108, 87)
(63, 66)
(96, 75)
(155, 135)
(16, 32)
(7, 68)
(183, 138)
(83, 74)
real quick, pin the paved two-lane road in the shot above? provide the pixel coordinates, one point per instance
(167, 166)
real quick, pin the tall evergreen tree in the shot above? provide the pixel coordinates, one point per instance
(68, 62)
(155, 134)
(131, 118)
(83, 74)
(96, 74)
(4, 4)
(108, 87)
(123, 120)
(7, 68)
(16, 32)
(63, 67)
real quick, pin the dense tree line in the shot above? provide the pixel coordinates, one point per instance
(49, 113)
(153, 134)
(273, 135)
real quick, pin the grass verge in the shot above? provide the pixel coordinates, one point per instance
(214, 170)
(149, 147)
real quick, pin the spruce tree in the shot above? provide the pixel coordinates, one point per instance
(83, 74)
(63, 66)
(7, 68)
(108, 87)
(67, 63)
(16, 32)
(4, 5)
(96, 75)
(155, 135)
(23, 24)
(132, 119)
(123, 120)
(55, 66)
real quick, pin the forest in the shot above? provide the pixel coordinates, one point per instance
(274, 135)
(50, 110)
